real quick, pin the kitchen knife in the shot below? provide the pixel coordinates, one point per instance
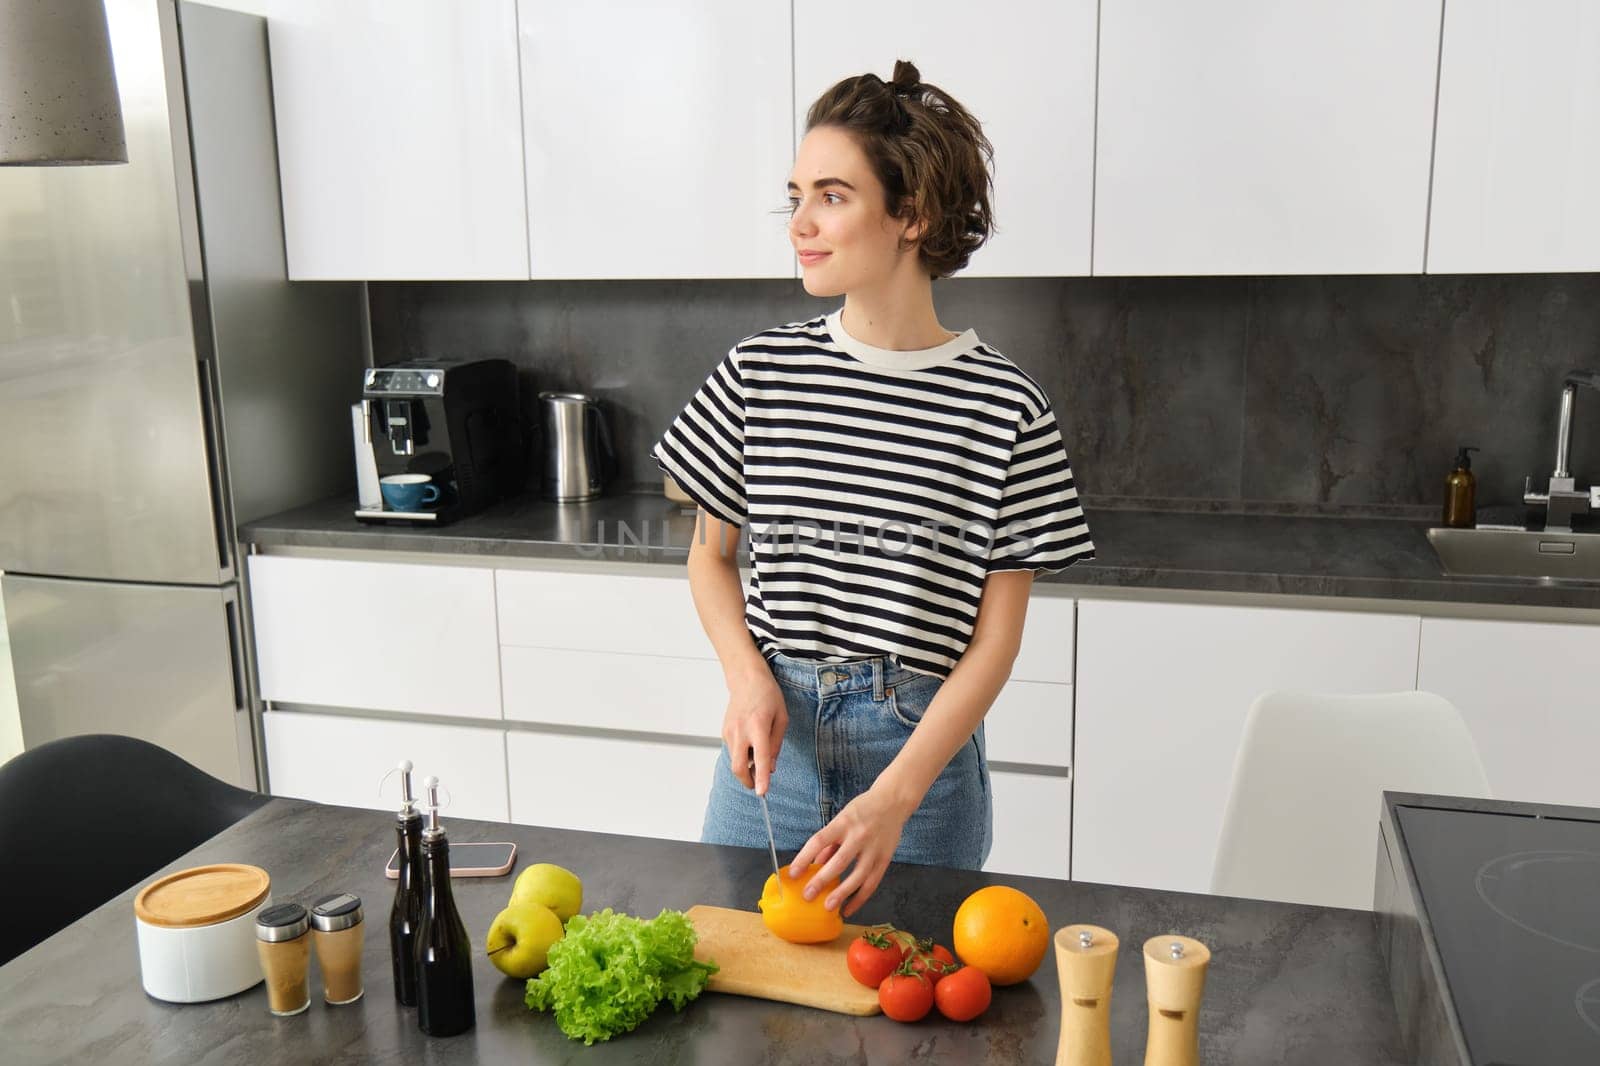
(766, 816)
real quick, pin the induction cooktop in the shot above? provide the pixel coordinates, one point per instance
(1513, 900)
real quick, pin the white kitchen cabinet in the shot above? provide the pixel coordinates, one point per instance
(1162, 694)
(1047, 640)
(1517, 152)
(1030, 722)
(1026, 70)
(657, 138)
(397, 637)
(629, 614)
(400, 139)
(639, 614)
(627, 652)
(333, 759)
(607, 690)
(604, 785)
(1530, 694)
(1032, 825)
(1257, 137)
(652, 789)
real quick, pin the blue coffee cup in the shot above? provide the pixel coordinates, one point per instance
(408, 492)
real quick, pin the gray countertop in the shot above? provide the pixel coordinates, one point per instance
(1288, 985)
(1362, 558)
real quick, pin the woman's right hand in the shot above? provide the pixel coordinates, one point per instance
(753, 729)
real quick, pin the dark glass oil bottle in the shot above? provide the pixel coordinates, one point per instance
(444, 954)
(406, 914)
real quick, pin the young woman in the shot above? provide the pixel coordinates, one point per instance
(900, 484)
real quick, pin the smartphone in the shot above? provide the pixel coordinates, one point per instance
(469, 860)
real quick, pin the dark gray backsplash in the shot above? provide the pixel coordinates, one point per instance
(1350, 392)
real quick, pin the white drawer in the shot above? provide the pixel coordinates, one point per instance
(637, 787)
(1032, 825)
(1030, 722)
(1047, 641)
(331, 759)
(639, 615)
(651, 693)
(376, 636)
(656, 616)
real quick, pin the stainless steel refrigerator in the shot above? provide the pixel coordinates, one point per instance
(160, 382)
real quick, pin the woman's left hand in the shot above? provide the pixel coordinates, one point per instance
(865, 832)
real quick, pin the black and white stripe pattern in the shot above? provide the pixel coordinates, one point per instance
(877, 498)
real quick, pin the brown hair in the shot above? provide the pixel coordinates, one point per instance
(929, 153)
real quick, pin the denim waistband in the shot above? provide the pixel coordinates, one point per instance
(857, 675)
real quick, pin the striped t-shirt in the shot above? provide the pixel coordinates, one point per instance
(878, 489)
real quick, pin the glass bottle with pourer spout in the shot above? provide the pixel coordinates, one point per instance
(444, 954)
(406, 914)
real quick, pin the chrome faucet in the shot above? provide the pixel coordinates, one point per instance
(1562, 498)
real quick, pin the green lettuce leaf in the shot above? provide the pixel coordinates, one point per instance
(610, 972)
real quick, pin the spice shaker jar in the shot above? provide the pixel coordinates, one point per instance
(284, 946)
(337, 932)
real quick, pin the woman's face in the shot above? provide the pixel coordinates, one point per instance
(843, 235)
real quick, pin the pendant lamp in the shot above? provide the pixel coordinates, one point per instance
(58, 88)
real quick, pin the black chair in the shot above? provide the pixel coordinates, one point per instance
(83, 818)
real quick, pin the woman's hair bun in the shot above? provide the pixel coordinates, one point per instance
(905, 78)
(928, 152)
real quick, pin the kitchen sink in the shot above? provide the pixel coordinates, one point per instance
(1510, 551)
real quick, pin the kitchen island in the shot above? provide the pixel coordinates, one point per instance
(1291, 985)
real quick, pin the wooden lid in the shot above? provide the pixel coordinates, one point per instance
(203, 895)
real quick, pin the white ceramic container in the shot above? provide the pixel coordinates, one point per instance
(196, 928)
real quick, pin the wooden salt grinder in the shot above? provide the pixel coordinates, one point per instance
(1086, 962)
(1175, 977)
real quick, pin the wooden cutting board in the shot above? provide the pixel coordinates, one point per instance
(754, 962)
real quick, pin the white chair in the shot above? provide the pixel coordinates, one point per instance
(1301, 823)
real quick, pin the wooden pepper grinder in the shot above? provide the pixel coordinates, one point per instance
(1175, 977)
(1086, 962)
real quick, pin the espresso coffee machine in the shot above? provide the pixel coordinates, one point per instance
(455, 421)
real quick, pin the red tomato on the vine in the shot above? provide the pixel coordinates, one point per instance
(874, 955)
(963, 994)
(905, 996)
(933, 960)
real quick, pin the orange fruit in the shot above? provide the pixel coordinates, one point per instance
(1002, 932)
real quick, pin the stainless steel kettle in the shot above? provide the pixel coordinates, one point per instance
(578, 456)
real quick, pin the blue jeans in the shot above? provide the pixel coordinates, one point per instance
(847, 722)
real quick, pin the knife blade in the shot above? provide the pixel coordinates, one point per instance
(772, 843)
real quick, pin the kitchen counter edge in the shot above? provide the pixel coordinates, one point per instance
(1364, 563)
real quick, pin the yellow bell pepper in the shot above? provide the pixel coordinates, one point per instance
(791, 916)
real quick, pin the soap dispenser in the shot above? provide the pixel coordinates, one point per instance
(1460, 492)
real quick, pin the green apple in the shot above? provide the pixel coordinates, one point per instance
(555, 887)
(520, 937)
